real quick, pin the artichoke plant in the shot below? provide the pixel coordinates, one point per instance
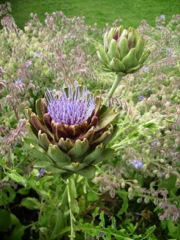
(123, 50)
(71, 129)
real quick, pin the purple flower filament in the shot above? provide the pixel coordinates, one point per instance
(70, 107)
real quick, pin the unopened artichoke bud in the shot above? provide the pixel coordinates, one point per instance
(123, 50)
(71, 129)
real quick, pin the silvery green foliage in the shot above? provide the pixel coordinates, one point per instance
(149, 145)
(60, 50)
(40, 56)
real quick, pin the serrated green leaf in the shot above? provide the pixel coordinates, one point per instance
(122, 194)
(150, 230)
(17, 177)
(58, 223)
(5, 220)
(59, 157)
(31, 203)
(92, 196)
(17, 232)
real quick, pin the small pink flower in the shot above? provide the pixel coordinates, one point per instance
(36, 54)
(28, 63)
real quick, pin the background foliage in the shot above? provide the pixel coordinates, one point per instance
(100, 12)
(135, 194)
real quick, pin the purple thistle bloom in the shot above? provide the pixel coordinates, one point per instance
(137, 163)
(70, 107)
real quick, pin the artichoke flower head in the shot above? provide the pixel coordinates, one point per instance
(71, 129)
(123, 51)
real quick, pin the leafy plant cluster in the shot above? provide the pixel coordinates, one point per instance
(135, 194)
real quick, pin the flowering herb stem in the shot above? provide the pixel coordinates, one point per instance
(114, 86)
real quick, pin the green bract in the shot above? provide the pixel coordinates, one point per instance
(70, 148)
(123, 50)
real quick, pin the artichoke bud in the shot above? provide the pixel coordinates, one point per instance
(116, 65)
(131, 40)
(140, 48)
(71, 130)
(144, 57)
(123, 50)
(123, 47)
(102, 56)
(130, 59)
(113, 50)
(106, 42)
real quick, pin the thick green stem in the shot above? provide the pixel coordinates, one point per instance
(114, 86)
(71, 192)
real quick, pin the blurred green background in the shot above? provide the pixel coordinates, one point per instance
(132, 12)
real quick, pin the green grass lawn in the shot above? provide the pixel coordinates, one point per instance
(100, 12)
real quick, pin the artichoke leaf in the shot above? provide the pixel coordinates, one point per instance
(130, 59)
(65, 144)
(74, 167)
(140, 48)
(43, 140)
(38, 125)
(55, 170)
(88, 172)
(116, 65)
(113, 130)
(123, 46)
(32, 133)
(41, 155)
(89, 134)
(102, 55)
(144, 57)
(59, 157)
(106, 118)
(105, 155)
(38, 108)
(101, 137)
(113, 50)
(93, 156)
(132, 70)
(79, 148)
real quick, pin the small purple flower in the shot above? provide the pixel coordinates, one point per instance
(162, 17)
(154, 143)
(141, 98)
(18, 82)
(36, 54)
(42, 171)
(137, 163)
(144, 69)
(70, 107)
(28, 63)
